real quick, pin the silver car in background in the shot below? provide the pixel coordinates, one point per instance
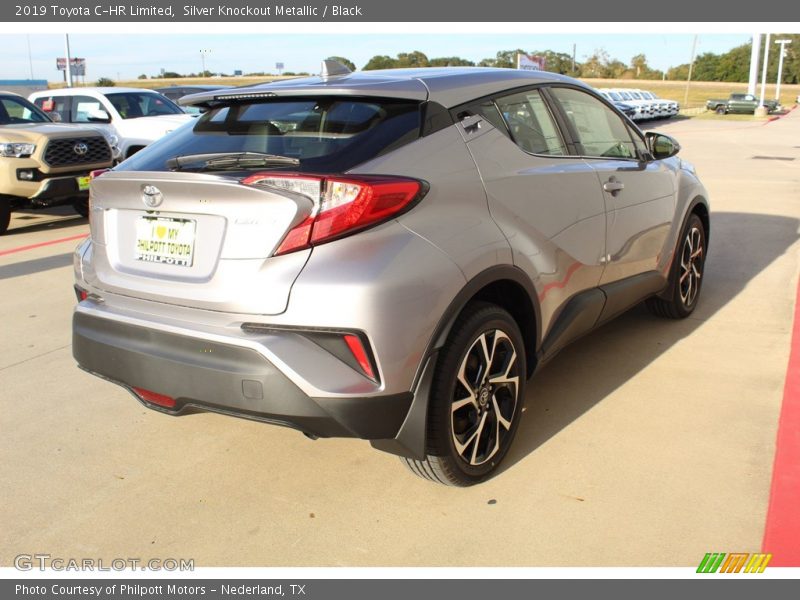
(386, 255)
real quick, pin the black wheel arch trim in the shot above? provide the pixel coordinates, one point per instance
(667, 292)
(410, 441)
(495, 274)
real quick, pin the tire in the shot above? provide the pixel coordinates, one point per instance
(720, 110)
(476, 398)
(686, 275)
(5, 215)
(81, 206)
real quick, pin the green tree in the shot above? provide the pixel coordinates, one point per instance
(346, 62)
(450, 61)
(596, 65)
(142, 76)
(105, 82)
(412, 59)
(505, 59)
(380, 62)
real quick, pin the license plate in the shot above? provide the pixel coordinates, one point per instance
(83, 183)
(166, 241)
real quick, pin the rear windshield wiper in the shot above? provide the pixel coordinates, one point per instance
(219, 161)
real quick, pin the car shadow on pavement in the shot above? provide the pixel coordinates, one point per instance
(36, 265)
(586, 373)
(20, 229)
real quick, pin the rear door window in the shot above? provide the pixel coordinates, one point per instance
(531, 125)
(55, 107)
(328, 134)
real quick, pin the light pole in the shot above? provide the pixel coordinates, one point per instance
(68, 65)
(764, 75)
(689, 77)
(203, 59)
(780, 68)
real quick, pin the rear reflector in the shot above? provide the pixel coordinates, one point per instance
(80, 293)
(154, 398)
(360, 354)
(341, 205)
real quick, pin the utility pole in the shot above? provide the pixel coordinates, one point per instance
(755, 50)
(30, 56)
(203, 59)
(780, 68)
(574, 49)
(689, 78)
(68, 66)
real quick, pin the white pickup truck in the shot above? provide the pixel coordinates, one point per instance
(136, 117)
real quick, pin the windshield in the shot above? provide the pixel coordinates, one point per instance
(327, 134)
(615, 96)
(15, 111)
(132, 105)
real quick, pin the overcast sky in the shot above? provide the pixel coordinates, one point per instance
(127, 56)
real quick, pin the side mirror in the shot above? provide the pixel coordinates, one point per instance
(99, 116)
(661, 146)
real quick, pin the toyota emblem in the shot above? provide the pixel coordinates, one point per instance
(151, 196)
(80, 148)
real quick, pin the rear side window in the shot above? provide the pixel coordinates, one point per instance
(55, 107)
(327, 135)
(132, 105)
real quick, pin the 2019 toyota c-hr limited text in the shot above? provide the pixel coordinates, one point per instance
(386, 255)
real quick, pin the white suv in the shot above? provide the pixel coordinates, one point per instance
(136, 117)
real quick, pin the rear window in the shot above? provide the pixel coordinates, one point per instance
(326, 135)
(132, 105)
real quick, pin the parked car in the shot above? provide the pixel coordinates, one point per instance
(662, 109)
(43, 164)
(176, 92)
(137, 117)
(626, 109)
(386, 255)
(642, 108)
(739, 103)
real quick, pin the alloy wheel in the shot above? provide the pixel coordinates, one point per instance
(485, 397)
(691, 268)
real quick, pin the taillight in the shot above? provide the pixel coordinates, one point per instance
(341, 205)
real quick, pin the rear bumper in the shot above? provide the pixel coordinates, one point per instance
(225, 378)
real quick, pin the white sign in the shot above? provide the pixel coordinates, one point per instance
(527, 62)
(76, 65)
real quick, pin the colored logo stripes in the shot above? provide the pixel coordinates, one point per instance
(734, 562)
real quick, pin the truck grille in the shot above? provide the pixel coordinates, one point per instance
(77, 151)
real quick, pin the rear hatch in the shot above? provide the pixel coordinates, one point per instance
(179, 223)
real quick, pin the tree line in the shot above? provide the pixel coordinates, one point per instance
(734, 65)
(731, 66)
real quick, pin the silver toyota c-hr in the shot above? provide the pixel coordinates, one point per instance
(386, 255)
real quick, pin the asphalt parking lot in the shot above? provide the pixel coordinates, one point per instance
(646, 443)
